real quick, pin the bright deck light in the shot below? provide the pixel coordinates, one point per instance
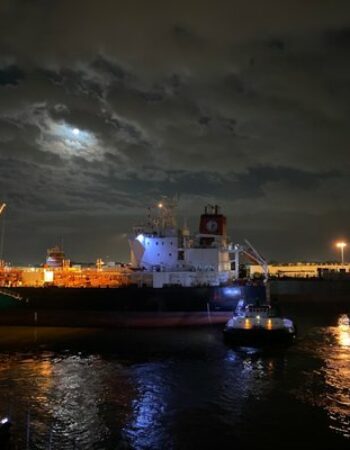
(140, 237)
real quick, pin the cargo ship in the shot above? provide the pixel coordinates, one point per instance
(174, 278)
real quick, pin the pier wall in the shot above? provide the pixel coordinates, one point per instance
(311, 290)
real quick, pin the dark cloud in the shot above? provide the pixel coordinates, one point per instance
(10, 75)
(105, 106)
(338, 37)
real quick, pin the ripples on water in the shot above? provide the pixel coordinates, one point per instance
(328, 386)
(175, 389)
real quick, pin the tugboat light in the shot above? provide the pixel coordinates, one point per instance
(247, 324)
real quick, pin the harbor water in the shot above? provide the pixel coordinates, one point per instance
(68, 388)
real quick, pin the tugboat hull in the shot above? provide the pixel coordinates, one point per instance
(258, 336)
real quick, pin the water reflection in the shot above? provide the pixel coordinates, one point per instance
(337, 378)
(328, 386)
(65, 396)
(181, 401)
(174, 390)
(146, 428)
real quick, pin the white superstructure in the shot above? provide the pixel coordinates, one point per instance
(175, 257)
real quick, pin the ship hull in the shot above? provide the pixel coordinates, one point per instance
(126, 307)
(113, 319)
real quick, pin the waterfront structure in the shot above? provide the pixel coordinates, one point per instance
(303, 270)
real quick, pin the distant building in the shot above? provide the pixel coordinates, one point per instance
(304, 270)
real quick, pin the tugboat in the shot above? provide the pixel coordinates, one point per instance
(255, 324)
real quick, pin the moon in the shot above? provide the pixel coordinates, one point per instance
(76, 131)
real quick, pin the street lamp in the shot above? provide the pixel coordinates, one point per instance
(341, 245)
(2, 232)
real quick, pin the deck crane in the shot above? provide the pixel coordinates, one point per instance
(254, 255)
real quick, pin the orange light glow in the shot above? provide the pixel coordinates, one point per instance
(64, 277)
(341, 244)
(344, 338)
(247, 324)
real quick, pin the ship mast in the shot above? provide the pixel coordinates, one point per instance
(166, 209)
(161, 216)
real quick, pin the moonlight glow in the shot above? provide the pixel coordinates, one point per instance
(63, 139)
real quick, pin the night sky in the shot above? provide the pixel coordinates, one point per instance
(107, 105)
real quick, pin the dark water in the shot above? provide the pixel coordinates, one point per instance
(176, 389)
